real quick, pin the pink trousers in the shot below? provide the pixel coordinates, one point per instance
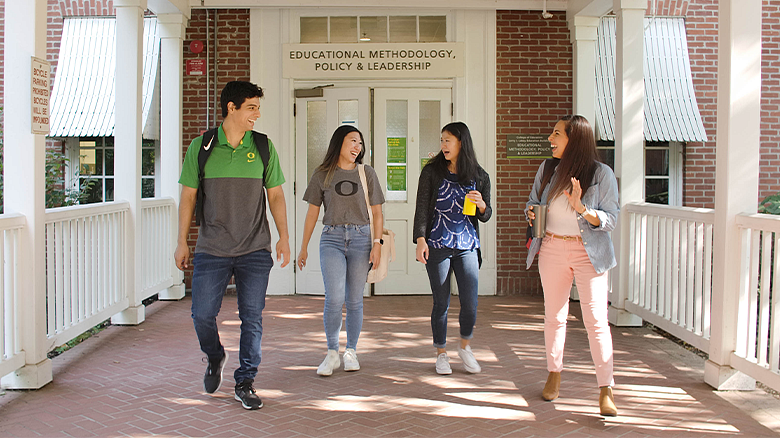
(559, 262)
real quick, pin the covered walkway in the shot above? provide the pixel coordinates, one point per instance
(146, 381)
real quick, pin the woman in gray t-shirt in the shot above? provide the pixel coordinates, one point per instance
(347, 252)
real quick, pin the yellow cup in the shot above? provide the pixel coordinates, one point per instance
(469, 207)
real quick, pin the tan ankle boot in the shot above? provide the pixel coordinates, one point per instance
(550, 391)
(607, 402)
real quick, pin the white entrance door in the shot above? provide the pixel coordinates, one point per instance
(407, 129)
(316, 119)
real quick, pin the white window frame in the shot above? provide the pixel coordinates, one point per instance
(296, 15)
(73, 151)
(155, 177)
(675, 171)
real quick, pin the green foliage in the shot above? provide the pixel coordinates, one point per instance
(57, 194)
(770, 204)
(79, 339)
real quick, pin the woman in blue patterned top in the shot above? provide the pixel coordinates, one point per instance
(448, 240)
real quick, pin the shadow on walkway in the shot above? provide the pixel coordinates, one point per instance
(147, 381)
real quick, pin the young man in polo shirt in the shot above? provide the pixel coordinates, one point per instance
(234, 237)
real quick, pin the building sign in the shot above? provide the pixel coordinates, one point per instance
(41, 86)
(528, 146)
(196, 67)
(365, 60)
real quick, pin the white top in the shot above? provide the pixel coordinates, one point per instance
(561, 217)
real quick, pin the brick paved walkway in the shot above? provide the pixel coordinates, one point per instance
(147, 381)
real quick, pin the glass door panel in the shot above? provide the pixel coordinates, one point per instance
(407, 125)
(430, 131)
(397, 129)
(316, 119)
(316, 135)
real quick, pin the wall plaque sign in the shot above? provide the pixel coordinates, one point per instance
(528, 146)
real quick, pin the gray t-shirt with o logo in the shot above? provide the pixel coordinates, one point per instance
(343, 197)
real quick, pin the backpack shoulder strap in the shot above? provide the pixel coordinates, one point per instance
(206, 147)
(261, 143)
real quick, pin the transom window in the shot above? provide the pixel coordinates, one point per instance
(374, 29)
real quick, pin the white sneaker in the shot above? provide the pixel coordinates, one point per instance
(443, 364)
(330, 363)
(350, 360)
(469, 362)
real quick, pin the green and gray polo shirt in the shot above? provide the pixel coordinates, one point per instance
(234, 211)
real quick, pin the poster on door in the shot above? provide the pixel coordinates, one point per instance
(396, 149)
(396, 178)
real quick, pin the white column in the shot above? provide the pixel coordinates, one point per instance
(172, 31)
(629, 141)
(25, 160)
(583, 38)
(265, 45)
(127, 146)
(736, 176)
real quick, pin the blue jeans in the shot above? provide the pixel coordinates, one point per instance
(210, 278)
(344, 254)
(441, 263)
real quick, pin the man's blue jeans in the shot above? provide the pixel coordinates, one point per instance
(210, 278)
(441, 264)
(344, 254)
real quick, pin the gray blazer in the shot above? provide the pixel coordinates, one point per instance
(601, 197)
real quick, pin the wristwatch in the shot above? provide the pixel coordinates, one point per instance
(379, 241)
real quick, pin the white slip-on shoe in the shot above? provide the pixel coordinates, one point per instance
(469, 361)
(330, 363)
(443, 364)
(350, 360)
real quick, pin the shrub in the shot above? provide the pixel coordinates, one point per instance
(770, 204)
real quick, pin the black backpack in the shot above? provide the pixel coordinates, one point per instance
(261, 143)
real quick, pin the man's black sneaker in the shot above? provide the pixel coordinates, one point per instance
(213, 378)
(245, 393)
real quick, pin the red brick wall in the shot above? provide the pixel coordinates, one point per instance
(699, 164)
(769, 182)
(232, 50)
(534, 88)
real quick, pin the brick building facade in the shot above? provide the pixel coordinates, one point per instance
(534, 77)
(533, 88)
(201, 99)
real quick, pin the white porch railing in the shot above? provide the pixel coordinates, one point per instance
(758, 338)
(159, 228)
(11, 357)
(670, 269)
(85, 267)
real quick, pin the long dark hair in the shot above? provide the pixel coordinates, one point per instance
(580, 158)
(467, 164)
(331, 160)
